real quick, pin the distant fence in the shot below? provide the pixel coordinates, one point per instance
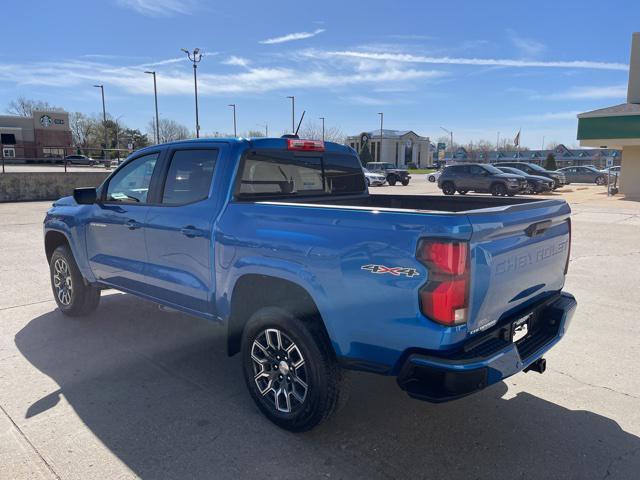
(26, 186)
(19, 154)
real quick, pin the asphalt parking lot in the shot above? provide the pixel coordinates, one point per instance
(134, 391)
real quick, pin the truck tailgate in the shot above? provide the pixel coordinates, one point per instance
(519, 253)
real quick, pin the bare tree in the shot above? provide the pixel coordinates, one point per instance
(313, 131)
(81, 127)
(170, 130)
(25, 107)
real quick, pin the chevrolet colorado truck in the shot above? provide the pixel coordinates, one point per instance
(279, 241)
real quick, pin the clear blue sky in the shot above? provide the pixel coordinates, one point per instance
(473, 67)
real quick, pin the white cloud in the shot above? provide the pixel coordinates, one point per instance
(158, 8)
(291, 37)
(238, 61)
(174, 80)
(549, 116)
(366, 100)
(410, 58)
(527, 46)
(588, 93)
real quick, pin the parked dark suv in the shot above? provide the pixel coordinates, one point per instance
(389, 170)
(479, 177)
(559, 179)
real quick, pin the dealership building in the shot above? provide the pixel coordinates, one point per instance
(399, 147)
(45, 134)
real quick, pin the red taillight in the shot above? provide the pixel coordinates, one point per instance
(444, 298)
(305, 145)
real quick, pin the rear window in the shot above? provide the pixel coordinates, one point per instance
(267, 174)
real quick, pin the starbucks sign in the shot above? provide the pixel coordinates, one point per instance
(46, 121)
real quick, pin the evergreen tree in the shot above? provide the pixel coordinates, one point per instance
(550, 162)
(365, 155)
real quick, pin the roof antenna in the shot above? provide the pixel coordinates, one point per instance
(300, 123)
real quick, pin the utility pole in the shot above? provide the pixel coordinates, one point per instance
(293, 113)
(195, 57)
(322, 118)
(155, 96)
(235, 133)
(104, 123)
(380, 146)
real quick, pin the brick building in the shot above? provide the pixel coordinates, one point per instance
(44, 135)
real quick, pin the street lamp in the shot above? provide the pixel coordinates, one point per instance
(293, 113)
(155, 95)
(235, 133)
(380, 146)
(195, 57)
(451, 135)
(104, 121)
(322, 118)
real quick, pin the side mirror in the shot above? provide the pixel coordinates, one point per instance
(85, 195)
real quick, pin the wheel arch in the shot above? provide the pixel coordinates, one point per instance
(52, 240)
(252, 292)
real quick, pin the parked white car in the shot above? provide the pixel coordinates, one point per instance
(374, 179)
(433, 177)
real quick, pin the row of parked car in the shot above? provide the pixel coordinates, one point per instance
(378, 173)
(505, 178)
(510, 178)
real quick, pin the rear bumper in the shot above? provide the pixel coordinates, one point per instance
(489, 358)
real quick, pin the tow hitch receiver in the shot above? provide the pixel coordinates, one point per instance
(539, 366)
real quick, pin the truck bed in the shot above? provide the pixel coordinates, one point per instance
(425, 203)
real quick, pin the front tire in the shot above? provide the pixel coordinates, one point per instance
(405, 182)
(448, 188)
(391, 179)
(462, 192)
(74, 297)
(498, 190)
(600, 181)
(290, 370)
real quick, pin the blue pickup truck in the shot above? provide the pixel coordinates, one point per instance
(280, 242)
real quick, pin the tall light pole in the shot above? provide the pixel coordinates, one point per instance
(451, 135)
(195, 57)
(293, 113)
(155, 96)
(380, 146)
(235, 133)
(322, 118)
(104, 121)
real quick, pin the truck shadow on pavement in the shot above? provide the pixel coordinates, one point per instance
(157, 389)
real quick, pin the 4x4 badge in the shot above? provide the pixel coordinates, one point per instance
(397, 271)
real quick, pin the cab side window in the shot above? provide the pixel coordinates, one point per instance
(189, 176)
(131, 183)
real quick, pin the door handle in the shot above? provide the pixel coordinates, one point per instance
(191, 231)
(132, 224)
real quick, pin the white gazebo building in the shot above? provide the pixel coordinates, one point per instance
(399, 147)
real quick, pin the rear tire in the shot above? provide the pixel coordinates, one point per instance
(391, 179)
(431, 178)
(498, 189)
(73, 295)
(290, 370)
(405, 182)
(600, 181)
(448, 188)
